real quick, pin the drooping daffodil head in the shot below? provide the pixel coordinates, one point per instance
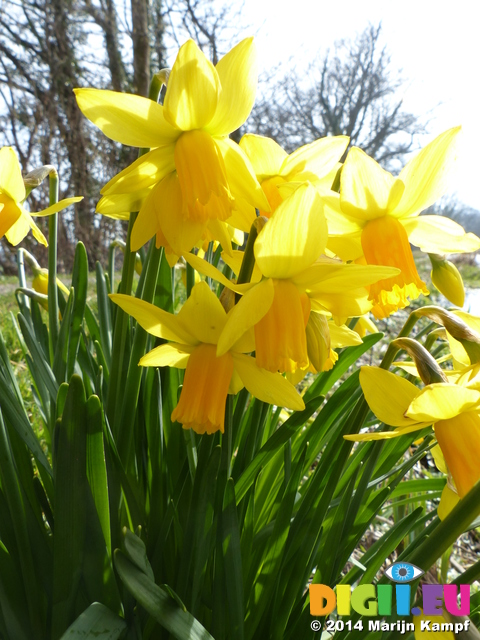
(15, 220)
(193, 335)
(453, 411)
(193, 175)
(383, 217)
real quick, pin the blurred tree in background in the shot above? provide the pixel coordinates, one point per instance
(48, 47)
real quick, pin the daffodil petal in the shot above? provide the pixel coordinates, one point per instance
(442, 401)
(236, 383)
(207, 269)
(203, 315)
(367, 191)
(426, 175)
(234, 261)
(17, 232)
(238, 75)
(181, 233)
(192, 90)
(10, 213)
(145, 172)
(119, 206)
(338, 222)
(318, 157)
(220, 231)
(294, 237)
(342, 305)
(245, 314)
(147, 224)
(344, 277)
(240, 175)
(55, 208)
(388, 396)
(342, 336)
(129, 119)
(36, 232)
(168, 355)
(439, 234)
(11, 181)
(448, 502)
(156, 321)
(385, 435)
(266, 386)
(264, 153)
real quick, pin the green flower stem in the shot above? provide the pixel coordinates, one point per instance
(119, 366)
(392, 350)
(190, 279)
(248, 261)
(123, 426)
(52, 264)
(22, 281)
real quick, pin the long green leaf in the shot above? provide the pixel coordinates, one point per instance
(159, 604)
(95, 623)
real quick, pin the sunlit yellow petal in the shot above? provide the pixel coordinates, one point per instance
(202, 315)
(245, 314)
(58, 206)
(120, 205)
(294, 237)
(207, 269)
(386, 435)
(10, 212)
(439, 234)
(129, 119)
(426, 175)
(192, 90)
(459, 439)
(342, 277)
(388, 396)
(145, 172)
(264, 153)
(367, 191)
(11, 181)
(36, 232)
(343, 336)
(318, 157)
(240, 174)
(442, 401)
(168, 355)
(439, 459)
(147, 223)
(234, 261)
(352, 304)
(238, 73)
(20, 228)
(266, 386)
(180, 232)
(448, 502)
(156, 321)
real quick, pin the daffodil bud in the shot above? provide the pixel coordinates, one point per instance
(427, 367)
(37, 176)
(456, 327)
(447, 279)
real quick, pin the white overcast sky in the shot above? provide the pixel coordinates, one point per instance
(435, 43)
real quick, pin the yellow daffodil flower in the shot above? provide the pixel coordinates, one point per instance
(453, 410)
(295, 282)
(189, 182)
(381, 215)
(15, 220)
(40, 285)
(316, 163)
(193, 337)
